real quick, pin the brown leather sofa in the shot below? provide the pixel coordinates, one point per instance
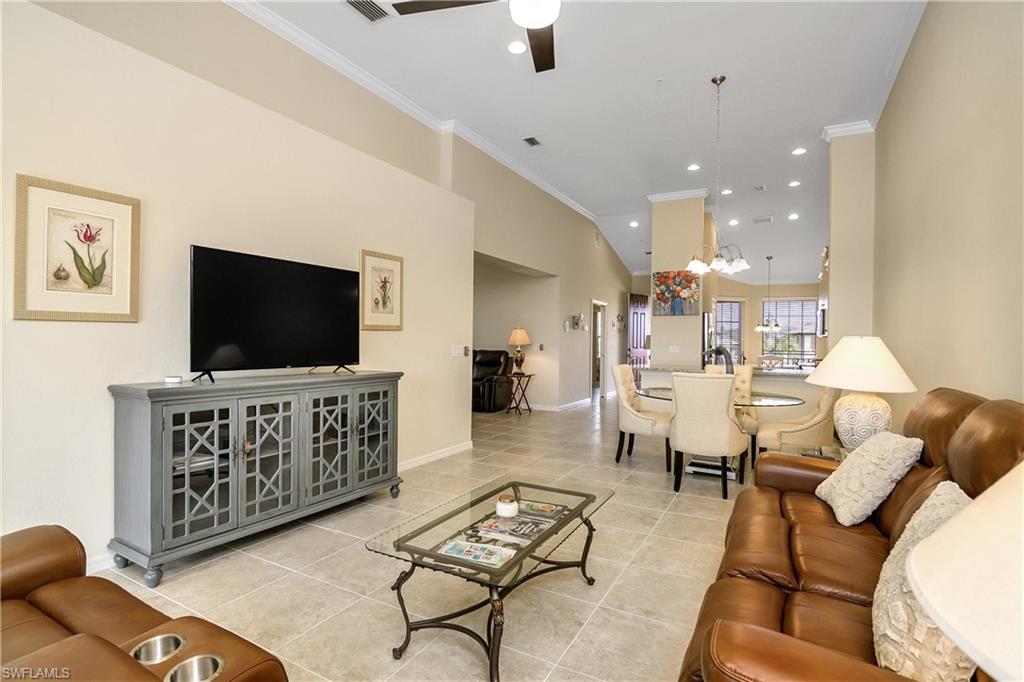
(56, 619)
(794, 590)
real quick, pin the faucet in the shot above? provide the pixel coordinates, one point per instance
(723, 352)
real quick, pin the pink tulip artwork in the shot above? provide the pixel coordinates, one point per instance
(79, 252)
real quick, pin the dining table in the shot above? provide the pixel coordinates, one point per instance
(757, 399)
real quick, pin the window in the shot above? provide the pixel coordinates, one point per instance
(729, 328)
(796, 343)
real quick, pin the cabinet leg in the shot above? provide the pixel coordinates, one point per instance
(154, 574)
(120, 561)
(394, 490)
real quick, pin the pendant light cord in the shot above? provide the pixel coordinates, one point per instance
(718, 80)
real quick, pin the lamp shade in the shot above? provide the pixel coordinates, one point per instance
(862, 363)
(519, 337)
(968, 574)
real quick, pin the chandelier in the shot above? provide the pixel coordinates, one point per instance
(771, 325)
(728, 258)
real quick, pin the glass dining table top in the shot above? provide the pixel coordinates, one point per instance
(465, 537)
(757, 399)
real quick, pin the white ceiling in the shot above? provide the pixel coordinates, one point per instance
(630, 103)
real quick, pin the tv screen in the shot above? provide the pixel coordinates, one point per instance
(252, 312)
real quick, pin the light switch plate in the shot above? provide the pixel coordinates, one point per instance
(459, 351)
(673, 349)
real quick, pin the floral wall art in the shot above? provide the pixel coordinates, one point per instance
(76, 253)
(381, 291)
(675, 292)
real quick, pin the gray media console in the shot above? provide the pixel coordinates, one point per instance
(198, 465)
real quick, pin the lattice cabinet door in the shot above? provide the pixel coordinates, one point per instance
(268, 456)
(374, 434)
(198, 471)
(329, 461)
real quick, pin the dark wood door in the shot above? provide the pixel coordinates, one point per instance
(639, 328)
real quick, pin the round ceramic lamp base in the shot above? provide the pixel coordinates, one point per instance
(858, 416)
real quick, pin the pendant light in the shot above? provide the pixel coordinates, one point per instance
(722, 260)
(771, 325)
(534, 14)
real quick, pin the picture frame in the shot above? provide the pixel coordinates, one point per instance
(76, 253)
(675, 292)
(381, 291)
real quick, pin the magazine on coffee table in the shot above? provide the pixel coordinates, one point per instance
(489, 555)
(519, 530)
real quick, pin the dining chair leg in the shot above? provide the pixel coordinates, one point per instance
(622, 439)
(629, 448)
(725, 479)
(753, 452)
(743, 468)
(679, 471)
(668, 456)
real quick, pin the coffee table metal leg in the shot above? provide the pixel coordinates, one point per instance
(497, 624)
(586, 551)
(397, 587)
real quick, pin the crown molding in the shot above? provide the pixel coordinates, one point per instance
(639, 273)
(844, 129)
(312, 46)
(682, 194)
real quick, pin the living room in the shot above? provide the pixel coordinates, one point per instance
(306, 136)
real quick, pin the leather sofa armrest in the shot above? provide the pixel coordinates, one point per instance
(79, 657)
(37, 556)
(792, 473)
(737, 652)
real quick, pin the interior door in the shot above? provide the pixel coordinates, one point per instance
(639, 328)
(374, 412)
(268, 456)
(198, 471)
(329, 465)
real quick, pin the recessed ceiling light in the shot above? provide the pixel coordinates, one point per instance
(726, 192)
(693, 167)
(633, 223)
(517, 47)
(734, 222)
(798, 151)
(794, 216)
(794, 183)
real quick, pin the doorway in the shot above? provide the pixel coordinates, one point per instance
(597, 348)
(639, 331)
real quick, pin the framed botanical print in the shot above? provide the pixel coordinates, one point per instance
(380, 291)
(76, 253)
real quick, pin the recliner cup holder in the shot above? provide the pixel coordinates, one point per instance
(157, 649)
(202, 668)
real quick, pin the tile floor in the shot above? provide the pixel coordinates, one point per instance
(311, 593)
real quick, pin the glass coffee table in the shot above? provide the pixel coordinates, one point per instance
(466, 539)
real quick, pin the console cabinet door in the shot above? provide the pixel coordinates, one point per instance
(329, 433)
(268, 456)
(374, 433)
(198, 471)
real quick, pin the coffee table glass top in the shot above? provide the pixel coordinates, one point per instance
(465, 537)
(756, 399)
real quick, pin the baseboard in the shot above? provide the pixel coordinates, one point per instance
(414, 462)
(99, 563)
(559, 408)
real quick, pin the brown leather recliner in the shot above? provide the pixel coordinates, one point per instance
(54, 617)
(794, 590)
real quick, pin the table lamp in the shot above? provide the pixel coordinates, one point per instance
(519, 338)
(864, 366)
(967, 576)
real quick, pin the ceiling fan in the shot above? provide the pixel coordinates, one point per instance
(536, 16)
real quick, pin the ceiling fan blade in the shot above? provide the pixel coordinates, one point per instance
(542, 47)
(415, 6)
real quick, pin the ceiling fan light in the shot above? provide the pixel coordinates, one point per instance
(534, 13)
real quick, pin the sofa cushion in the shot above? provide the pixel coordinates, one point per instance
(23, 629)
(96, 606)
(907, 640)
(754, 501)
(833, 623)
(804, 508)
(86, 657)
(918, 477)
(866, 477)
(837, 562)
(753, 602)
(759, 549)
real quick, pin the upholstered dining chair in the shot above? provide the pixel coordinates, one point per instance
(636, 417)
(742, 391)
(813, 430)
(705, 422)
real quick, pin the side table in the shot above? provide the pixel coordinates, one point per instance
(519, 382)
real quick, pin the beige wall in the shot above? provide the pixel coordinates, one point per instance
(851, 236)
(641, 285)
(518, 223)
(948, 241)
(753, 297)
(212, 168)
(677, 228)
(503, 299)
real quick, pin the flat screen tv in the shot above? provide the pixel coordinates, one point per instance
(253, 312)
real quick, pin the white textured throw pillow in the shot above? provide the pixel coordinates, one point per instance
(868, 475)
(906, 639)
